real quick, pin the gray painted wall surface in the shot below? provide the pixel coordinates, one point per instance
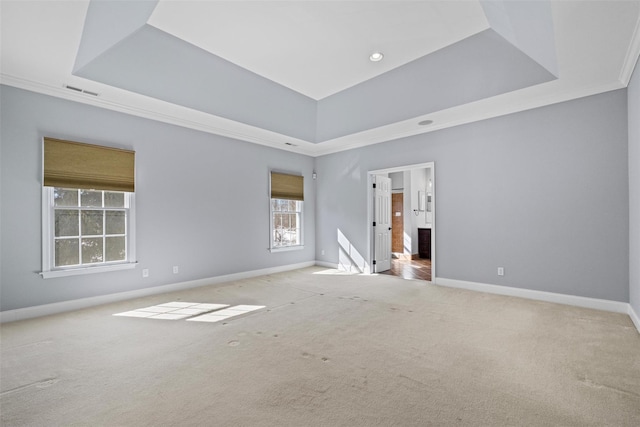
(202, 200)
(563, 231)
(634, 189)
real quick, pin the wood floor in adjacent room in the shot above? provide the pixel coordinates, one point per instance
(419, 269)
(317, 347)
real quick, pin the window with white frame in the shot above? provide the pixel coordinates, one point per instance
(286, 223)
(87, 228)
(87, 208)
(286, 207)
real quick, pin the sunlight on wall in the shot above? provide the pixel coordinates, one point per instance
(407, 244)
(349, 259)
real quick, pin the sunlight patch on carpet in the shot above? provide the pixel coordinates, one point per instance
(173, 310)
(226, 313)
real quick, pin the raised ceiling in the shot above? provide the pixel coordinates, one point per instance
(295, 74)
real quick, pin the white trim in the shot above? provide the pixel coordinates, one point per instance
(181, 116)
(287, 248)
(595, 303)
(175, 115)
(87, 270)
(63, 306)
(370, 235)
(328, 264)
(48, 271)
(634, 317)
(631, 58)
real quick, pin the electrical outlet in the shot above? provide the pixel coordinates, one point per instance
(500, 271)
(145, 272)
(175, 269)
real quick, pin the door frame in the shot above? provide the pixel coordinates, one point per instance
(370, 202)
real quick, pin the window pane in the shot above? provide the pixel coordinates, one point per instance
(115, 249)
(65, 197)
(91, 222)
(91, 198)
(92, 250)
(113, 200)
(115, 222)
(286, 219)
(66, 252)
(66, 222)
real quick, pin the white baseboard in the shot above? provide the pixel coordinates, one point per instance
(327, 264)
(634, 317)
(77, 304)
(598, 304)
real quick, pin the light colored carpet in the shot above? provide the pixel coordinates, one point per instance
(328, 350)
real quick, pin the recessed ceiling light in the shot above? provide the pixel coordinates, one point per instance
(376, 56)
(425, 122)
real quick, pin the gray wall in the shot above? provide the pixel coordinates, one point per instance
(201, 200)
(563, 231)
(634, 190)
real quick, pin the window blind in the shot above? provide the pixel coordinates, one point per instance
(71, 164)
(290, 187)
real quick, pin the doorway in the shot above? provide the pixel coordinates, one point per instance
(412, 213)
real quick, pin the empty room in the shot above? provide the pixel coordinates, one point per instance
(319, 213)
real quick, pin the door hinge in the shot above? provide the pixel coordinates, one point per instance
(374, 262)
(374, 223)
(374, 185)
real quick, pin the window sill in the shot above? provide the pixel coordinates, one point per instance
(287, 248)
(87, 270)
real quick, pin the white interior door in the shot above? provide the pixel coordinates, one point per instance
(382, 222)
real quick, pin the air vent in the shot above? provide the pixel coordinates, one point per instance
(77, 89)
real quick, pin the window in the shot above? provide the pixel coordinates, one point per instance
(86, 228)
(87, 208)
(286, 222)
(286, 202)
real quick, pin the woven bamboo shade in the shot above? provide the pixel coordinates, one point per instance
(290, 187)
(71, 164)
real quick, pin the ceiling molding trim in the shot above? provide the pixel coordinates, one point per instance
(336, 146)
(273, 140)
(631, 58)
(279, 142)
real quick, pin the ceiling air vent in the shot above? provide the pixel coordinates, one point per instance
(77, 89)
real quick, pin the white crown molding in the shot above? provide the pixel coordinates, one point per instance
(223, 128)
(631, 58)
(64, 306)
(478, 111)
(371, 137)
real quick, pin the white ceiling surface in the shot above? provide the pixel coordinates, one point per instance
(319, 48)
